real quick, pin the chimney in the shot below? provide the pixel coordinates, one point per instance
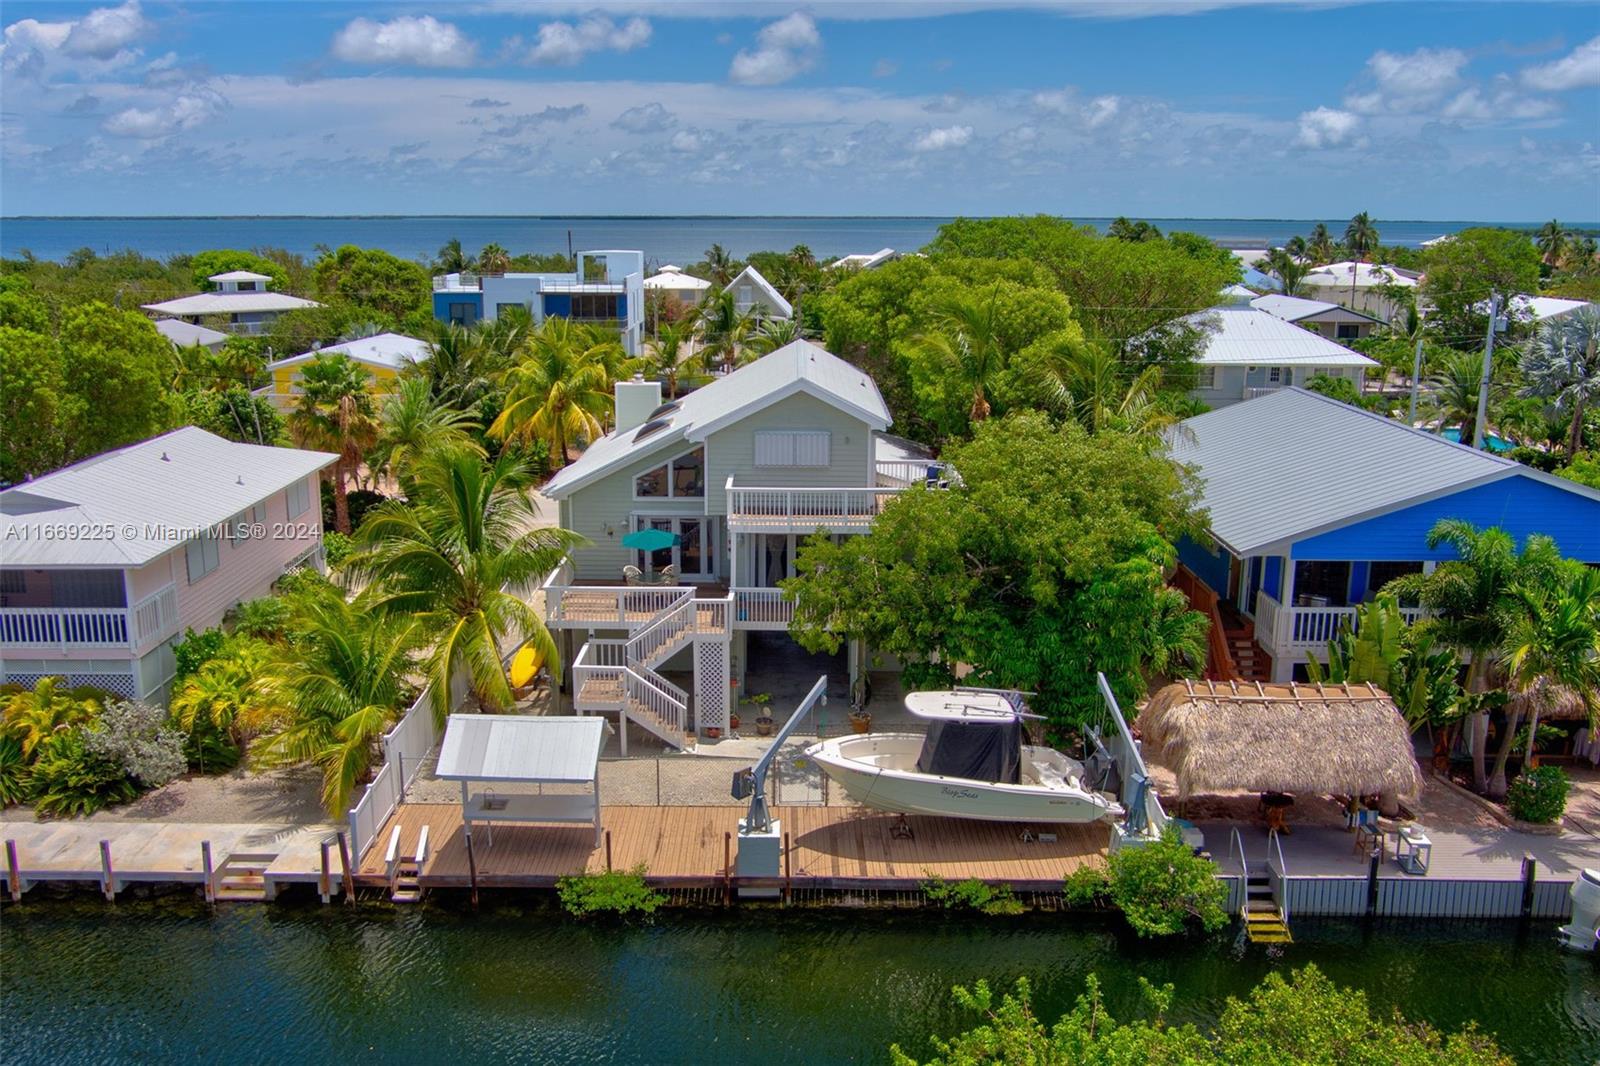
(635, 400)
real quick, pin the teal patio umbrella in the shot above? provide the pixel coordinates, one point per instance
(650, 539)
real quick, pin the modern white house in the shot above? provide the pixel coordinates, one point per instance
(674, 284)
(606, 290)
(732, 476)
(1334, 321)
(105, 563)
(1315, 505)
(864, 260)
(1249, 352)
(755, 295)
(1358, 286)
(242, 300)
(186, 334)
(383, 356)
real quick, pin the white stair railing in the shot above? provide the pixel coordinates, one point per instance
(667, 630)
(667, 703)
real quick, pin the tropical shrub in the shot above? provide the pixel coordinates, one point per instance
(31, 718)
(135, 736)
(1160, 888)
(264, 619)
(336, 547)
(222, 705)
(360, 501)
(619, 892)
(1303, 1019)
(70, 780)
(195, 650)
(971, 894)
(15, 773)
(1539, 795)
(303, 581)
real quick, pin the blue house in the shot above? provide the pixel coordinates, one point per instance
(1314, 505)
(606, 290)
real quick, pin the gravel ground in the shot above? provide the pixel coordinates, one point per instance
(290, 796)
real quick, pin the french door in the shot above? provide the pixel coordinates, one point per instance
(694, 556)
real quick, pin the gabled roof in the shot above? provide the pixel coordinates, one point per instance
(770, 296)
(240, 275)
(866, 260)
(672, 277)
(390, 350)
(230, 303)
(185, 481)
(1295, 308)
(186, 334)
(1291, 464)
(797, 367)
(1244, 336)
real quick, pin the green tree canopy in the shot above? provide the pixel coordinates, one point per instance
(1042, 566)
(35, 407)
(115, 366)
(370, 278)
(1463, 271)
(221, 260)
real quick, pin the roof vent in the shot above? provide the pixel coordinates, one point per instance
(239, 480)
(165, 458)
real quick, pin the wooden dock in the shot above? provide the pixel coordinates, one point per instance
(830, 848)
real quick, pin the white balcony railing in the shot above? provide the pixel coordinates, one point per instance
(152, 618)
(762, 608)
(1296, 629)
(784, 510)
(900, 473)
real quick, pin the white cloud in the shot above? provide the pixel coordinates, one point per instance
(422, 42)
(105, 31)
(942, 137)
(644, 119)
(1473, 105)
(1579, 70)
(687, 141)
(784, 49)
(1089, 114)
(1100, 110)
(1326, 128)
(944, 104)
(1408, 82)
(565, 44)
(885, 68)
(100, 38)
(186, 111)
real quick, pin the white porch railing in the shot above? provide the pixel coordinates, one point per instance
(1295, 629)
(776, 510)
(152, 618)
(904, 472)
(667, 631)
(606, 606)
(762, 608)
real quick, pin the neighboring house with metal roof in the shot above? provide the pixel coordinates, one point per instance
(1540, 309)
(1359, 286)
(865, 260)
(675, 284)
(1333, 321)
(186, 334)
(755, 295)
(732, 477)
(1315, 505)
(105, 563)
(383, 356)
(241, 299)
(1248, 352)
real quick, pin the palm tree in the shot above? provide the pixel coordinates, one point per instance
(560, 391)
(31, 718)
(1553, 647)
(1563, 364)
(724, 329)
(1320, 246)
(773, 334)
(966, 344)
(413, 421)
(1283, 265)
(493, 259)
(1455, 387)
(335, 413)
(1552, 240)
(1296, 246)
(1094, 388)
(666, 355)
(451, 259)
(225, 695)
(461, 559)
(1361, 236)
(1473, 602)
(720, 264)
(342, 681)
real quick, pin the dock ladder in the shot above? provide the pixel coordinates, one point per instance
(1265, 909)
(405, 875)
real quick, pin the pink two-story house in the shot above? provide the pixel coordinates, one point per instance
(105, 563)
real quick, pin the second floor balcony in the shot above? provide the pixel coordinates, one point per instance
(804, 509)
(142, 625)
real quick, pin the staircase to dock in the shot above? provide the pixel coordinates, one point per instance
(242, 877)
(405, 872)
(1265, 907)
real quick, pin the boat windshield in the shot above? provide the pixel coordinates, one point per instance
(978, 751)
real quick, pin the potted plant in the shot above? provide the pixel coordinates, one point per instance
(860, 696)
(759, 701)
(860, 720)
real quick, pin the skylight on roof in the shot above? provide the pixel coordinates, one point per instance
(655, 425)
(665, 409)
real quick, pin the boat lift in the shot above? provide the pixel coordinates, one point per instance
(751, 782)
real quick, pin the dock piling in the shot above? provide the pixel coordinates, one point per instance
(1372, 881)
(1530, 871)
(472, 867)
(608, 849)
(210, 874)
(325, 882)
(788, 877)
(13, 871)
(727, 869)
(344, 863)
(108, 882)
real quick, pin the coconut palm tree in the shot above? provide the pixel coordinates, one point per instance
(1096, 390)
(1563, 364)
(1552, 241)
(30, 718)
(451, 259)
(413, 421)
(461, 559)
(1361, 236)
(335, 413)
(965, 343)
(560, 389)
(1283, 265)
(720, 264)
(773, 334)
(1455, 385)
(724, 330)
(1473, 602)
(342, 682)
(1320, 246)
(666, 355)
(1296, 246)
(1553, 647)
(493, 259)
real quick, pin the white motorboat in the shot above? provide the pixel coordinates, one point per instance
(972, 763)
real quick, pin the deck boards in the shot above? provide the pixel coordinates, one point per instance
(830, 847)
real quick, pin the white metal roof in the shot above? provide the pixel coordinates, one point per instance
(1291, 464)
(1244, 336)
(240, 275)
(865, 260)
(187, 334)
(230, 303)
(771, 297)
(137, 503)
(673, 278)
(799, 366)
(507, 747)
(1296, 308)
(1540, 308)
(1366, 276)
(391, 350)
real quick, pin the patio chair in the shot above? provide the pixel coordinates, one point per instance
(668, 575)
(1367, 832)
(632, 575)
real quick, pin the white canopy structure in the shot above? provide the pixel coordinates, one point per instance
(510, 749)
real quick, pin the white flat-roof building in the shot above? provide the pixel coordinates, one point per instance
(1357, 286)
(606, 290)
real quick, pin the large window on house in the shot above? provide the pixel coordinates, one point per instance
(463, 314)
(683, 476)
(1205, 377)
(1347, 331)
(792, 447)
(203, 554)
(298, 498)
(1380, 574)
(1321, 584)
(596, 306)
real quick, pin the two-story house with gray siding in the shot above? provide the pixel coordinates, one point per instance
(737, 473)
(104, 564)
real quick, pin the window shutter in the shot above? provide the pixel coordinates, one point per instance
(792, 448)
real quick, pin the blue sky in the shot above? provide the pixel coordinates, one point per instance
(1084, 107)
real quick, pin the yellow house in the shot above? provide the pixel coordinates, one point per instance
(382, 356)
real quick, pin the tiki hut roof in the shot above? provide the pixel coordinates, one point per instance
(1552, 701)
(1313, 739)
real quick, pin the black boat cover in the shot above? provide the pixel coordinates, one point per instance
(978, 751)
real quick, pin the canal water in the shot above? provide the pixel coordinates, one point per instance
(169, 982)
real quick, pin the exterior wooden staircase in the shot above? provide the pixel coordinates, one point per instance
(1250, 661)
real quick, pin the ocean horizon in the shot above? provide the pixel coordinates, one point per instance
(680, 239)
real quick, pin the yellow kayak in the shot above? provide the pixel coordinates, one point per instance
(524, 665)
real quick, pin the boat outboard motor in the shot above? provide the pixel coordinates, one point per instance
(1581, 932)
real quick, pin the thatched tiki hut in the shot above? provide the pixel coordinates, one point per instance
(1306, 739)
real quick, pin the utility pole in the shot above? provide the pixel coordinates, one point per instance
(1480, 428)
(1416, 374)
